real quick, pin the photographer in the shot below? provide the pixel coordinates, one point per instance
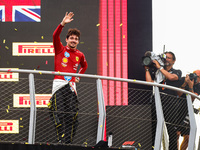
(191, 83)
(170, 76)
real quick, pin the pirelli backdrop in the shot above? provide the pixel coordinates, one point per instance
(27, 26)
(114, 36)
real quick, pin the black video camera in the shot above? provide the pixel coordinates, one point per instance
(193, 76)
(147, 59)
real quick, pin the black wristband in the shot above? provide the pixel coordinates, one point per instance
(190, 89)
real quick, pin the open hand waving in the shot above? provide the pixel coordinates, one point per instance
(68, 18)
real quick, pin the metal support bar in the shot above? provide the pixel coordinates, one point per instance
(193, 126)
(32, 122)
(160, 120)
(100, 77)
(102, 112)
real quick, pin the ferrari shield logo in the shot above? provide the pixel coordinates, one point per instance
(77, 58)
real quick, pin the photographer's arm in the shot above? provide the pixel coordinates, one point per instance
(190, 84)
(147, 74)
(182, 87)
(169, 76)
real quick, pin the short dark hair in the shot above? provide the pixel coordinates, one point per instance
(174, 57)
(73, 32)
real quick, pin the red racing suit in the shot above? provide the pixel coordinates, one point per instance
(66, 59)
(64, 103)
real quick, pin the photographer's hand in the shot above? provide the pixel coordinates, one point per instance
(169, 76)
(146, 68)
(156, 63)
(189, 82)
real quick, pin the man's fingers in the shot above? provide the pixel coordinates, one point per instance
(70, 13)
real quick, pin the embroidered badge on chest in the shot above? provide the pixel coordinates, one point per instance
(64, 62)
(67, 54)
(77, 58)
(67, 78)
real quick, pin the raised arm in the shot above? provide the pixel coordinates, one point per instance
(56, 35)
(147, 74)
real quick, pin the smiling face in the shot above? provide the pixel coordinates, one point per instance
(72, 41)
(169, 60)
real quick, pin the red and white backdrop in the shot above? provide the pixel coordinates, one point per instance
(113, 50)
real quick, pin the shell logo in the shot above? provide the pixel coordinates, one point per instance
(65, 60)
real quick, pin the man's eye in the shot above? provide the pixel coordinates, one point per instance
(74, 38)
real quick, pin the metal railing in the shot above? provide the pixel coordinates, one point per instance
(133, 121)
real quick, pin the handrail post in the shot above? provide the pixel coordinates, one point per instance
(102, 112)
(193, 126)
(160, 120)
(32, 121)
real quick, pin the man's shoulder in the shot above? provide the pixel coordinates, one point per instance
(175, 71)
(172, 69)
(79, 52)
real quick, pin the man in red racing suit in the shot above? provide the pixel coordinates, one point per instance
(64, 103)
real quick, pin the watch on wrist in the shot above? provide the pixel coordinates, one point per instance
(160, 68)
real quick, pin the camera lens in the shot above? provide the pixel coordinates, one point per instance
(193, 76)
(147, 61)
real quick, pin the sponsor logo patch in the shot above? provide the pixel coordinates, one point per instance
(77, 58)
(67, 54)
(65, 60)
(67, 78)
